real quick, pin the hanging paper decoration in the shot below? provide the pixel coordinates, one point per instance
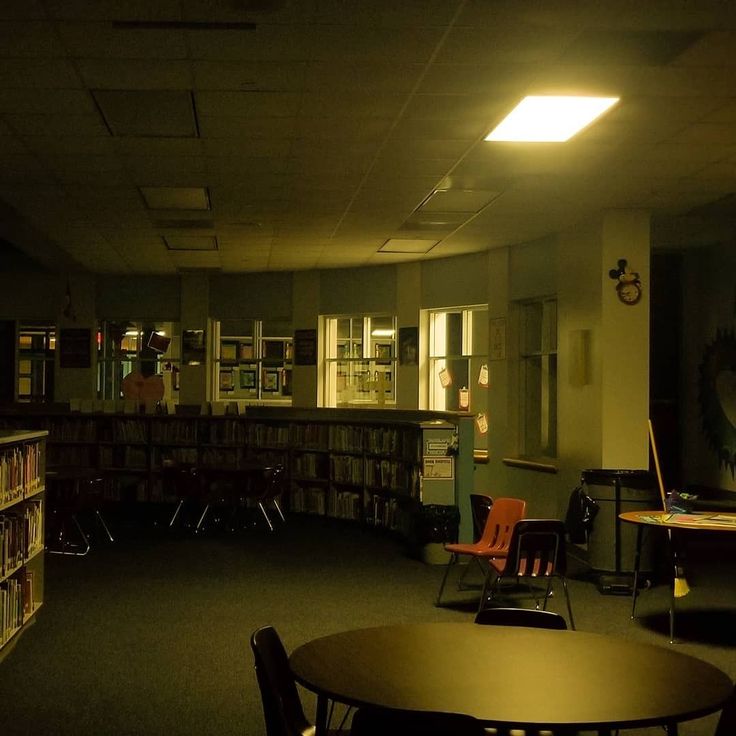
(481, 422)
(463, 399)
(445, 378)
(483, 376)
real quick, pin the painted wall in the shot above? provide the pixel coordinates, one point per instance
(591, 322)
(709, 305)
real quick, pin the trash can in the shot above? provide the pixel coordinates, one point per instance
(435, 525)
(612, 543)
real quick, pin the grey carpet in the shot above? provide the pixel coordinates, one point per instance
(149, 635)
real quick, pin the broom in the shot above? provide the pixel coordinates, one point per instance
(681, 587)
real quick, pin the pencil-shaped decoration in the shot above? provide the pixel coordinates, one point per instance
(681, 587)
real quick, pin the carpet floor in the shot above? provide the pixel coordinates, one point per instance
(150, 634)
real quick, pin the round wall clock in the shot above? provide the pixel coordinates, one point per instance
(629, 292)
(628, 287)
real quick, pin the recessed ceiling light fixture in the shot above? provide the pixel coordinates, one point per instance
(550, 118)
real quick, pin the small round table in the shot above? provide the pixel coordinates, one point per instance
(672, 522)
(510, 676)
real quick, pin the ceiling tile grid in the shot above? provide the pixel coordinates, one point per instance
(319, 127)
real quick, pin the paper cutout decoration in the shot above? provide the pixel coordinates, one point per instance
(481, 422)
(463, 400)
(445, 378)
(483, 376)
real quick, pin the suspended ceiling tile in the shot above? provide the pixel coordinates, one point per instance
(246, 103)
(100, 40)
(271, 76)
(238, 127)
(57, 125)
(108, 10)
(267, 43)
(29, 38)
(381, 75)
(46, 101)
(135, 74)
(38, 74)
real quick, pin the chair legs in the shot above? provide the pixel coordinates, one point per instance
(450, 563)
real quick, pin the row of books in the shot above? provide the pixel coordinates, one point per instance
(20, 471)
(21, 534)
(16, 602)
(135, 458)
(315, 436)
(392, 475)
(308, 500)
(309, 465)
(347, 469)
(385, 513)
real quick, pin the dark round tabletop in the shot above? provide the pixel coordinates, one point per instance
(509, 676)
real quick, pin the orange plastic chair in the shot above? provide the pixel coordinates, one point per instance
(536, 551)
(494, 543)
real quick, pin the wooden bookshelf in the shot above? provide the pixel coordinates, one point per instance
(22, 512)
(360, 465)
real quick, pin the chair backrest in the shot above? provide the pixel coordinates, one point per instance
(282, 707)
(274, 479)
(537, 549)
(480, 507)
(532, 617)
(727, 721)
(504, 514)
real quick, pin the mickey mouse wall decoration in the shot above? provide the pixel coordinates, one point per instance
(628, 287)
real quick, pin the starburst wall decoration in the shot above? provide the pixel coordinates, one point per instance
(717, 396)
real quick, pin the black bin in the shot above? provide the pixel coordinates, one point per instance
(612, 542)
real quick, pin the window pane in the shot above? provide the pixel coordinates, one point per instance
(454, 333)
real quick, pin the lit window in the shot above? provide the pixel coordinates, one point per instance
(36, 345)
(253, 360)
(360, 360)
(130, 348)
(458, 363)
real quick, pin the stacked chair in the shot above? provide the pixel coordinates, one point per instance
(494, 542)
(537, 553)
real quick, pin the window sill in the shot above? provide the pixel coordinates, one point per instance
(536, 465)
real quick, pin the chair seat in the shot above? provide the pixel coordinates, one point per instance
(476, 549)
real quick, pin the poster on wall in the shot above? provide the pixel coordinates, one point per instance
(75, 349)
(498, 339)
(192, 347)
(305, 347)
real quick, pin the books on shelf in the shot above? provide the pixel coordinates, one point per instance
(20, 471)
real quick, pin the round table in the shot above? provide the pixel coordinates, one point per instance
(510, 676)
(672, 522)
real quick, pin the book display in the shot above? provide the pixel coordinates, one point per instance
(22, 491)
(364, 466)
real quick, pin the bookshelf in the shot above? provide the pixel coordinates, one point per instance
(364, 466)
(22, 502)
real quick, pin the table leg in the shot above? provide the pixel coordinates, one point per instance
(637, 563)
(321, 716)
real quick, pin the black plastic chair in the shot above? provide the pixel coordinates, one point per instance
(536, 552)
(480, 507)
(532, 617)
(727, 721)
(282, 707)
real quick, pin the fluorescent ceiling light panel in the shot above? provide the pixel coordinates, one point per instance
(457, 200)
(407, 245)
(176, 198)
(549, 118)
(190, 242)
